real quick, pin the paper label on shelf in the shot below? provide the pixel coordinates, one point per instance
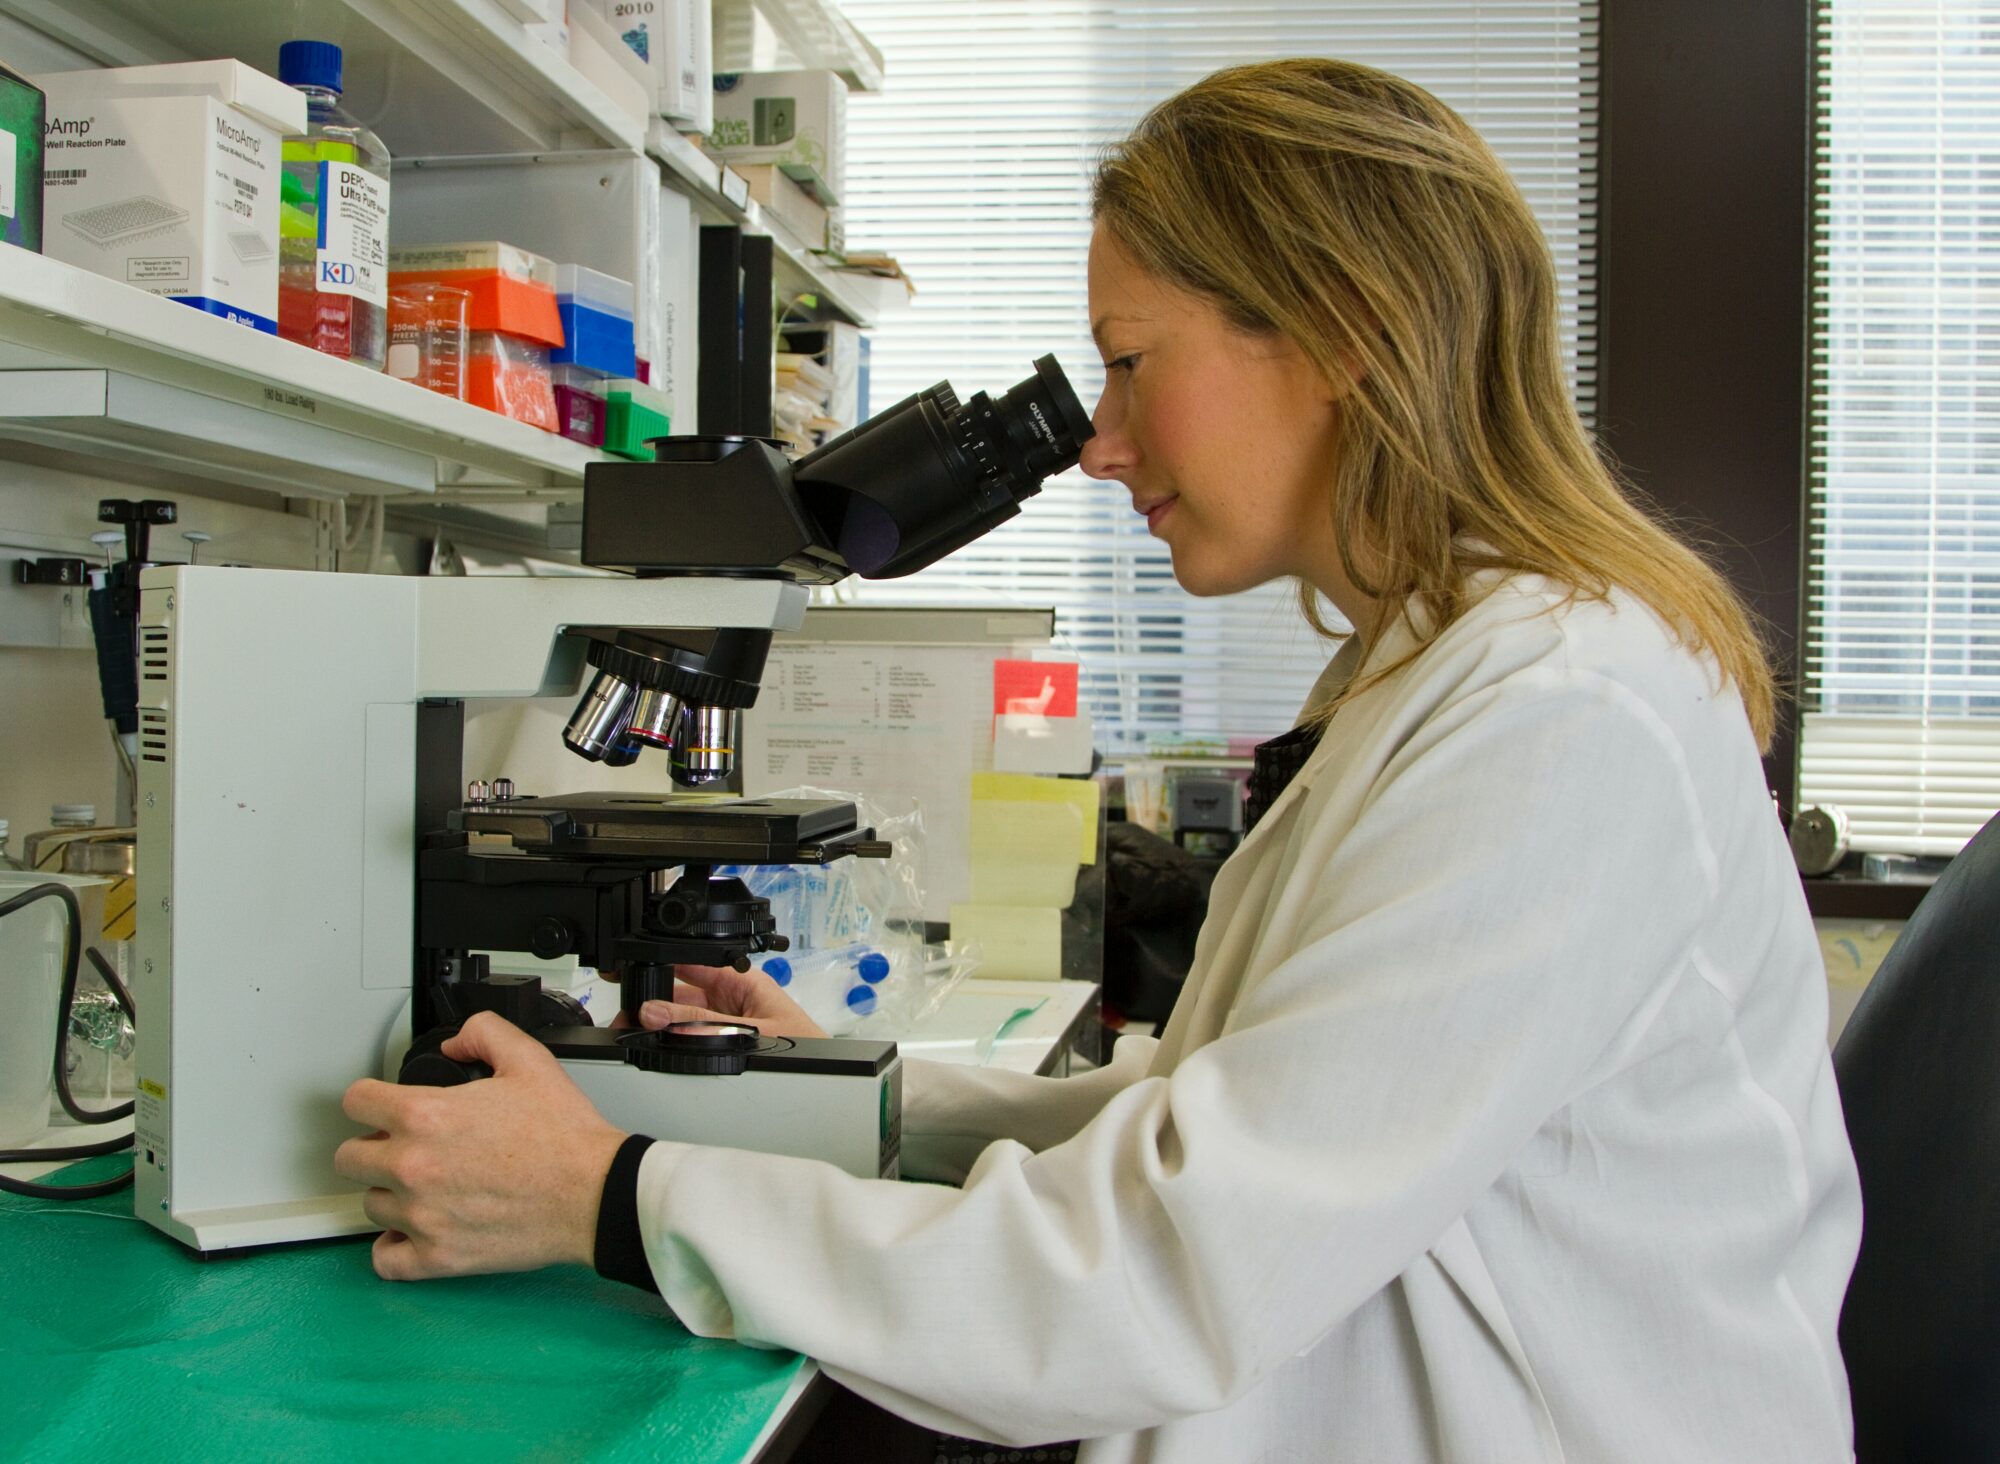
(353, 233)
(7, 166)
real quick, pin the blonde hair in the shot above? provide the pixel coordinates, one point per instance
(1361, 217)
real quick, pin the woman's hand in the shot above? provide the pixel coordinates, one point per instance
(500, 1174)
(721, 993)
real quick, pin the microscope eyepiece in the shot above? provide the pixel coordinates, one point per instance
(888, 498)
(885, 499)
(1049, 424)
(932, 474)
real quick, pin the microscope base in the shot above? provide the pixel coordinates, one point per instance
(839, 1101)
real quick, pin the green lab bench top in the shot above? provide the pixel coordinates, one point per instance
(117, 1342)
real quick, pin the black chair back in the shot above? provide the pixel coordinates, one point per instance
(1919, 1071)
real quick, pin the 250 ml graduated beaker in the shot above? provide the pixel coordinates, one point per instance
(427, 336)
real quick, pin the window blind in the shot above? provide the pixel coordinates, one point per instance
(1902, 693)
(973, 167)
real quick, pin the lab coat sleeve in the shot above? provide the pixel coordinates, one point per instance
(951, 1112)
(1501, 919)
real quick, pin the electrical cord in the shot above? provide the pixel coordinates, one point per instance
(73, 951)
(124, 1000)
(112, 983)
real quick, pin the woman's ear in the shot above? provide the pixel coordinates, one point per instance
(1352, 356)
(1350, 367)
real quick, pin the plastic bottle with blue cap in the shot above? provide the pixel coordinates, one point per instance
(333, 219)
(813, 977)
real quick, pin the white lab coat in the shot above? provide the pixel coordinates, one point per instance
(1495, 1122)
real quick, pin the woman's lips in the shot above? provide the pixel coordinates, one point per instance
(1156, 512)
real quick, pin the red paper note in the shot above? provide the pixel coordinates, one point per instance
(1047, 688)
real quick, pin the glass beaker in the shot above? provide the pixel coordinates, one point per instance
(427, 336)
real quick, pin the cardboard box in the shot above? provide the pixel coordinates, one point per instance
(608, 63)
(875, 293)
(784, 117)
(794, 210)
(167, 177)
(675, 38)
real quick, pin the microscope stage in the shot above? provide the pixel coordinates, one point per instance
(662, 829)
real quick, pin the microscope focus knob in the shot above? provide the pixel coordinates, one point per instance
(714, 1048)
(560, 1009)
(435, 1070)
(550, 938)
(428, 1067)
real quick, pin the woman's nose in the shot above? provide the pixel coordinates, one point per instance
(1109, 454)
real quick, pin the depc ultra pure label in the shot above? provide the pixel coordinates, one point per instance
(353, 250)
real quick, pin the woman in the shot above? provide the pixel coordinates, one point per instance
(1495, 1121)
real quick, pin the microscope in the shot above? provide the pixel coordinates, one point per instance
(321, 887)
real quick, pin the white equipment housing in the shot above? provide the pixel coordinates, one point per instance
(277, 770)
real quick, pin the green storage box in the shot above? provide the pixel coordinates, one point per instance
(23, 118)
(633, 412)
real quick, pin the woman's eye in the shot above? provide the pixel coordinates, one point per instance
(1121, 363)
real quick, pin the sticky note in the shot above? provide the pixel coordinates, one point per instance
(1016, 943)
(1024, 853)
(1082, 793)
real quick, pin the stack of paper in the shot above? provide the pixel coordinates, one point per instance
(1029, 835)
(799, 405)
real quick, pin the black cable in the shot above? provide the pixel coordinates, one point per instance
(82, 1151)
(67, 1009)
(32, 893)
(65, 1191)
(116, 986)
(72, 959)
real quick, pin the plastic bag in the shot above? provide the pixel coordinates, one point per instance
(860, 990)
(904, 1007)
(857, 961)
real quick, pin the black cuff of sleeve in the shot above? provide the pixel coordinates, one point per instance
(621, 1245)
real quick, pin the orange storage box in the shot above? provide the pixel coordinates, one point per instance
(513, 291)
(508, 375)
(512, 320)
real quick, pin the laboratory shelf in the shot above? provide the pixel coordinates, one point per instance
(439, 79)
(431, 76)
(94, 369)
(724, 198)
(812, 34)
